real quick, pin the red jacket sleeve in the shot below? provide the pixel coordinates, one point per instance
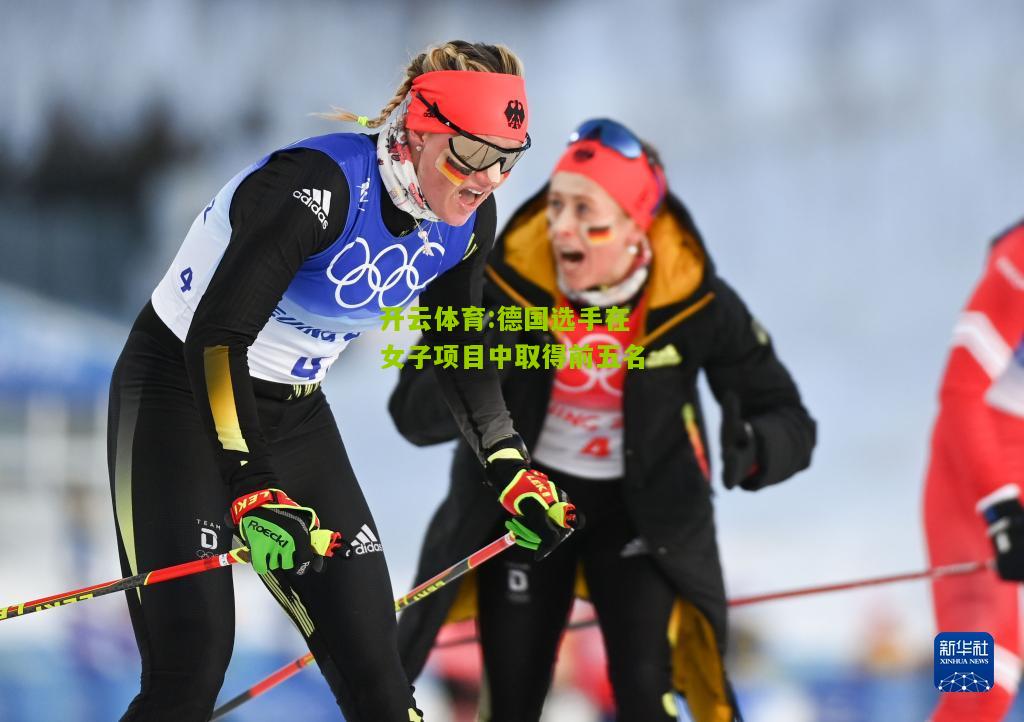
(986, 333)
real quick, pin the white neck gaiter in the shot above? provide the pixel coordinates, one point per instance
(394, 161)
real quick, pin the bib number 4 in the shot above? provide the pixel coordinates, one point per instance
(306, 367)
(598, 446)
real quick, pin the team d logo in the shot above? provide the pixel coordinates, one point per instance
(964, 662)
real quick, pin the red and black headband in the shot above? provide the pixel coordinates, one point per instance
(480, 103)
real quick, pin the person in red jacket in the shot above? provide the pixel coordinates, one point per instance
(972, 492)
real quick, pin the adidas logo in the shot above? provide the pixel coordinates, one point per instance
(317, 201)
(665, 356)
(365, 542)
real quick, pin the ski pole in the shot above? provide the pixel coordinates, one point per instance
(269, 682)
(420, 592)
(455, 571)
(145, 579)
(944, 571)
(949, 570)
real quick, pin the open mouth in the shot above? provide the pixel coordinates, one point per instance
(471, 197)
(570, 258)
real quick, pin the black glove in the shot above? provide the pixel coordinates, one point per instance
(1006, 530)
(504, 459)
(542, 516)
(739, 448)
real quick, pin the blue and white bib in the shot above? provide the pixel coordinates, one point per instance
(336, 293)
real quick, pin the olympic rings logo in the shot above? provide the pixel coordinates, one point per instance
(377, 285)
(585, 378)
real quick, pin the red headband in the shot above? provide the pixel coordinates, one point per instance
(634, 183)
(479, 103)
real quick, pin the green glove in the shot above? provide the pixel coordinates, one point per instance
(281, 534)
(542, 515)
(541, 529)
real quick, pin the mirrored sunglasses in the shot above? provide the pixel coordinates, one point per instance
(474, 152)
(611, 135)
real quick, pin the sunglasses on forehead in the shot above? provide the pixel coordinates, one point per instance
(610, 134)
(473, 151)
(617, 137)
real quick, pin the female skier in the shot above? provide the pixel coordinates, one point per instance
(216, 403)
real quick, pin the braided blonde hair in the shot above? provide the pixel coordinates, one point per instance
(453, 55)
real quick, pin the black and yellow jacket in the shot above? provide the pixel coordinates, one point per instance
(693, 321)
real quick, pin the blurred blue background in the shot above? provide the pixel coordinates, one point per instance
(846, 162)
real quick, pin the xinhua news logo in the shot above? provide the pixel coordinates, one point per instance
(964, 662)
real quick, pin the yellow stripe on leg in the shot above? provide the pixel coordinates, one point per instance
(128, 415)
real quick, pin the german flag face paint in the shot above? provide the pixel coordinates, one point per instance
(598, 235)
(451, 169)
